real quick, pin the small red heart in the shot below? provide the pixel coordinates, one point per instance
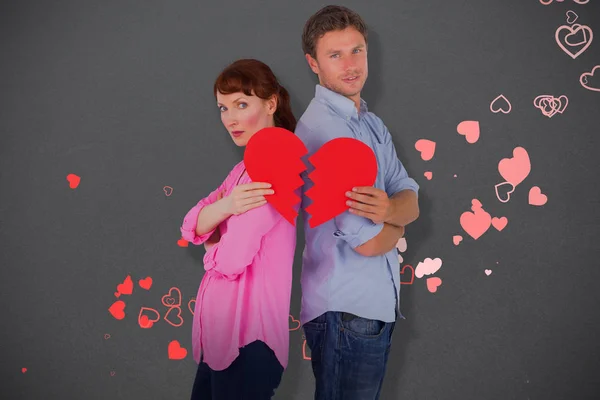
(412, 275)
(107, 336)
(112, 373)
(146, 283)
(340, 164)
(176, 352)
(273, 155)
(168, 190)
(73, 180)
(118, 309)
(182, 242)
(23, 370)
(126, 287)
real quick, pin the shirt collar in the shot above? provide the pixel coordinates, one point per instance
(342, 105)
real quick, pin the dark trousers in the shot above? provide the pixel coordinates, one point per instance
(349, 355)
(253, 375)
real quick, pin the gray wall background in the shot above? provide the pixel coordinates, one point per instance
(120, 93)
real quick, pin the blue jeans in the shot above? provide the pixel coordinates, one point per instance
(349, 355)
(253, 375)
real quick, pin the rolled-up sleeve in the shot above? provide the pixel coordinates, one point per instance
(237, 248)
(190, 221)
(354, 229)
(396, 176)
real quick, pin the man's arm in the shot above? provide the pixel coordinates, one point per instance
(382, 243)
(404, 208)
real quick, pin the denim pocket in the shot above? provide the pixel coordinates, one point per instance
(363, 327)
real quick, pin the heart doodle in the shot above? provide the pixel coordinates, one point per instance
(117, 309)
(515, 169)
(550, 105)
(426, 147)
(412, 275)
(500, 104)
(476, 223)
(536, 198)
(144, 320)
(176, 352)
(583, 79)
(173, 298)
(577, 36)
(190, 307)
(73, 181)
(470, 130)
(294, 323)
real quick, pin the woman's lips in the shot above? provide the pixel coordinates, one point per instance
(237, 133)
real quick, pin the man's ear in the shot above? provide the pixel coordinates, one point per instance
(312, 63)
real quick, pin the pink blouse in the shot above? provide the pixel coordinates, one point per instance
(245, 292)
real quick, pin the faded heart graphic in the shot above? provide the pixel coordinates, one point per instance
(428, 175)
(476, 223)
(433, 284)
(470, 130)
(190, 307)
(173, 298)
(412, 275)
(335, 174)
(73, 181)
(571, 17)
(583, 79)
(117, 309)
(107, 336)
(536, 198)
(456, 239)
(499, 223)
(182, 243)
(274, 155)
(176, 352)
(577, 36)
(488, 272)
(402, 245)
(147, 317)
(173, 317)
(23, 370)
(514, 170)
(426, 147)
(168, 190)
(550, 105)
(500, 104)
(294, 323)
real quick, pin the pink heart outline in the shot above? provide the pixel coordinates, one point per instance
(500, 109)
(507, 193)
(573, 30)
(585, 83)
(570, 14)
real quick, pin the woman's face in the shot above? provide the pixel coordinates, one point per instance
(244, 115)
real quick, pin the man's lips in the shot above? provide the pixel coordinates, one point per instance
(351, 79)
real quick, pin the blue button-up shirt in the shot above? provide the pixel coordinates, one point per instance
(334, 276)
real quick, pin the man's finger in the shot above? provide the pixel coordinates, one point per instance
(363, 198)
(361, 207)
(366, 190)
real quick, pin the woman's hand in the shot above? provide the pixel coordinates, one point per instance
(246, 197)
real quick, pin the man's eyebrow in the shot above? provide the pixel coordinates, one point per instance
(358, 46)
(232, 101)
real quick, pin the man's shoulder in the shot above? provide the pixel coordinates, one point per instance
(318, 116)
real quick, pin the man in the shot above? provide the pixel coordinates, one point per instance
(350, 271)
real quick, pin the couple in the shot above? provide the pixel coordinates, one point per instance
(350, 269)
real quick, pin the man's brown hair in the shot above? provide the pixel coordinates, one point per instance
(329, 18)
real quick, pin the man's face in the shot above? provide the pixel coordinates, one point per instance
(341, 62)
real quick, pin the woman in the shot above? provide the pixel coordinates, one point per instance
(241, 330)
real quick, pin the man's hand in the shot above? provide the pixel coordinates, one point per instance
(370, 202)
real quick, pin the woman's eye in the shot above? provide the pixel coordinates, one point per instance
(243, 104)
(222, 108)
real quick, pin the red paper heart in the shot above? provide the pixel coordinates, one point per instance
(340, 164)
(273, 155)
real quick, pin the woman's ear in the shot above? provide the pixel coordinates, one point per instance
(272, 104)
